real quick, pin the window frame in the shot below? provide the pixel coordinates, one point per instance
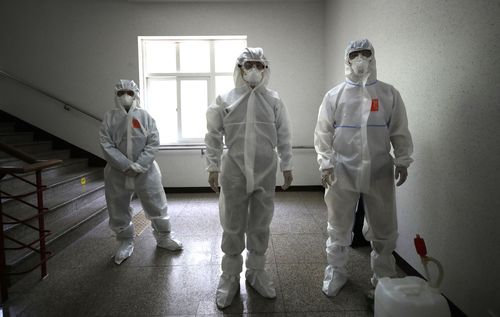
(209, 77)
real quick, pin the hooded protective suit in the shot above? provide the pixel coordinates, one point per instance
(358, 121)
(254, 123)
(130, 140)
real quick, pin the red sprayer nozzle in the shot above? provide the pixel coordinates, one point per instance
(420, 246)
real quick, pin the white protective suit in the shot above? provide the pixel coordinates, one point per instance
(129, 140)
(254, 124)
(358, 121)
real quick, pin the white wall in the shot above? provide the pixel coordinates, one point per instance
(77, 50)
(443, 56)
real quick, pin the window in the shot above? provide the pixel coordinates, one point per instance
(180, 77)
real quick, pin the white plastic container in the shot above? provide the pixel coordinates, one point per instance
(410, 296)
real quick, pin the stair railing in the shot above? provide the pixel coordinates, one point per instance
(67, 106)
(30, 165)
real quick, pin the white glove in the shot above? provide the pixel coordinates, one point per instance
(130, 172)
(288, 178)
(138, 168)
(213, 180)
(327, 177)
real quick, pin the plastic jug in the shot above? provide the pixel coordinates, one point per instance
(410, 296)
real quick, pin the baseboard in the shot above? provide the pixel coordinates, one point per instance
(308, 188)
(409, 270)
(187, 190)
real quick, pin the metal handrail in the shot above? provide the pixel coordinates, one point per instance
(203, 147)
(25, 157)
(67, 106)
(32, 165)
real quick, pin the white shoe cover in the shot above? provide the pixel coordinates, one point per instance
(228, 287)
(124, 251)
(334, 281)
(166, 241)
(170, 244)
(261, 282)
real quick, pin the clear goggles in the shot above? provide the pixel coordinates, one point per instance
(251, 64)
(365, 53)
(120, 93)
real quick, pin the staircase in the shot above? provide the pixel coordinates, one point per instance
(74, 195)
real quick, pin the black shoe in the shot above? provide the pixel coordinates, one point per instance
(370, 299)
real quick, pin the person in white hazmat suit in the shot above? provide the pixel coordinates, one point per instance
(129, 140)
(358, 121)
(254, 123)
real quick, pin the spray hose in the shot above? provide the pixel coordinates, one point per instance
(422, 251)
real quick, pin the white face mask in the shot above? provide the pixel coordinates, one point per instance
(360, 65)
(126, 101)
(252, 76)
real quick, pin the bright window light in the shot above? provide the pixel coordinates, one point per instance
(194, 57)
(194, 97)
(160, 56)
(162, 105)
(181, 77)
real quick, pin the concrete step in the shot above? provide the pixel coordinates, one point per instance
(15, 186)
(9, 161)
(62, 189)
(31, 147)
(60, 185)
(58, 219)
(69, 229)
(54, 154)
(74, 207)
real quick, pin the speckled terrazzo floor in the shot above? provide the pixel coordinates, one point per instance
(84, 281)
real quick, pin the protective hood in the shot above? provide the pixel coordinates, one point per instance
(251, 54)
(372, 69)
(126, 84)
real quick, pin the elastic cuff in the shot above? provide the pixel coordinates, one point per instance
(403, 161)
(213, 169)
(256, 262)
(232, 265)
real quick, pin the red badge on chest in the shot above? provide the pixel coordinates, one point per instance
(374, 105)
(136, 124)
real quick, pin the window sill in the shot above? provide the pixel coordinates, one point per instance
(173, 147)
(202, 147)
